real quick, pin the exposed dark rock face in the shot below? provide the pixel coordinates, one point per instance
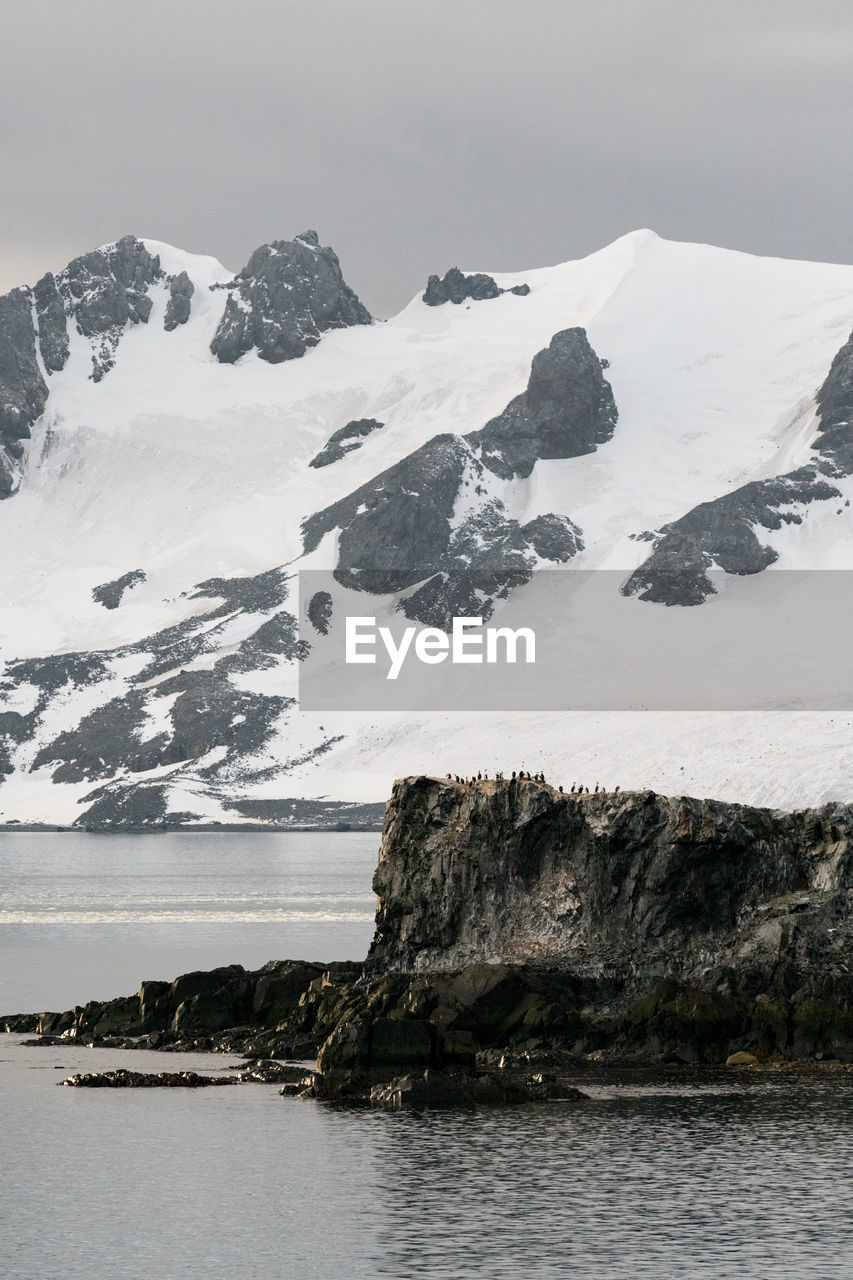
(108, 286)
(400, 528)
(23, 392)
(274, 639)
(107, 290)
(110, 594)
(487, 556)
(179, 306)
(52, 323)
(101, 293)
(210, 712)
(518, 925)
(567, 410)
(345, 440)
(722, 535)
(267, 1012)
(320, 610)
(399, 523)
(118, 806)
(207, 712)
(110, 736)
(288, 294)
(456, 287)
(257, 594)
(835, 403)
(627, 889)
(203, 721)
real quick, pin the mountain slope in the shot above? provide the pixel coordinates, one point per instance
(160, 488)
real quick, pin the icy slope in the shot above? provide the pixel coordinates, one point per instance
(182, 468)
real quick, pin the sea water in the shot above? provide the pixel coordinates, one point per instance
(657, 1175)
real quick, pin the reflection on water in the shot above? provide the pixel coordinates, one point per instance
(667, 1176)
(659, 1182)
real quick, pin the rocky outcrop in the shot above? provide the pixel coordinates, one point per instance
(52, 323)
(433, 517)
(399, 529)
(567, 410)
(456, 287)
(23, 392)
(260, 1012)
(105, 291)
(628, 889)
(179, 306)
(345, 440)
(263, 1071)
(100, 293)
(110, 594)
(522, 932)
(835, 405)
(724, 534)
(124, 1079)
(398, 524)
(288, 294)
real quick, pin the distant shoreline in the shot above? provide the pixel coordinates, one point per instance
(163, 828)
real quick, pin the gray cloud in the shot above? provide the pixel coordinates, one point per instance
(414, 136)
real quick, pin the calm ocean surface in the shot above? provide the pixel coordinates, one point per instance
(657, 1176)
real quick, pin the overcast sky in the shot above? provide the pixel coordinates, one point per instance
(419, 134)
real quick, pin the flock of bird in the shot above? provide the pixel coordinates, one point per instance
(576, 789)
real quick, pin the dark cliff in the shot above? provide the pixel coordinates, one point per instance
(622, 890)
(516, 925)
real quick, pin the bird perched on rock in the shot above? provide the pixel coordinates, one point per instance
(561, 788)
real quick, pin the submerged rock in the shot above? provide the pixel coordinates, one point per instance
(123, 1079)
(453, 1089)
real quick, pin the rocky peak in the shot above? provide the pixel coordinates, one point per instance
(287, 295)
(23, 392)
(101, 293)
(567, 410)
(456, 287)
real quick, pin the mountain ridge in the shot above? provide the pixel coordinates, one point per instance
(171, 471)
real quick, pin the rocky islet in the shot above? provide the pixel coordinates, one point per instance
(523, 932)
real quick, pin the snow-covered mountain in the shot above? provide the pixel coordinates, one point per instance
(177, 442)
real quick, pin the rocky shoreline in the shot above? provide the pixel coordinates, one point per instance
(522, 933)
